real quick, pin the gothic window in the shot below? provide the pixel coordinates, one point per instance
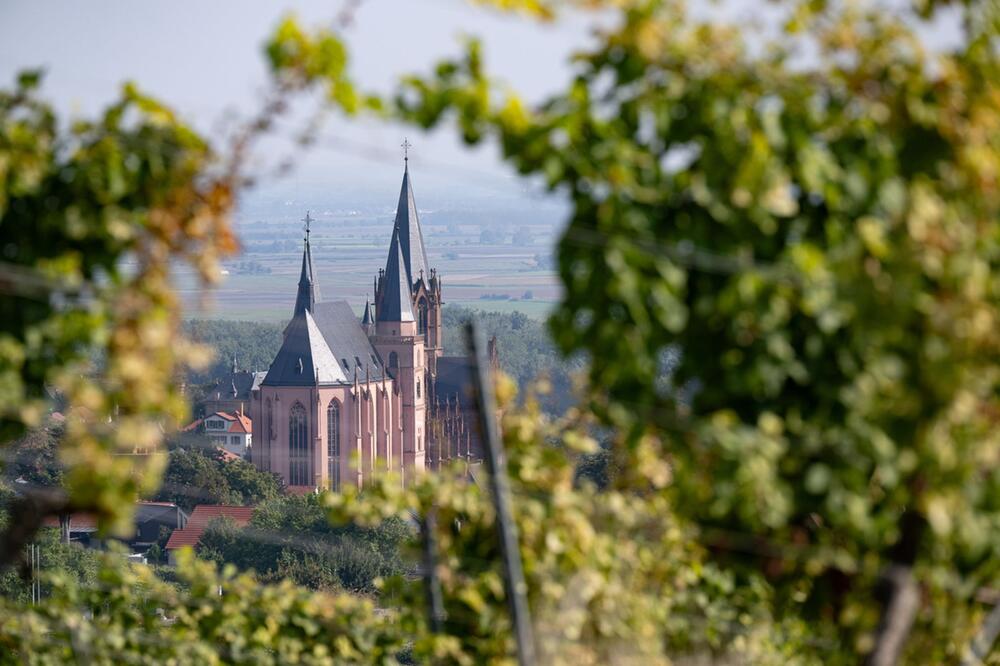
(333, 443)
(422, 316)
(268, 432)
(393, 360)
(418, 388)
(299, 473)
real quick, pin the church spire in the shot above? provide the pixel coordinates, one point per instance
(411, 240)
(308, 292)
(367, 319)
(397, 299)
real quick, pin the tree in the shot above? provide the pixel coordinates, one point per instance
(134, 615)
(819, 239)
(291, 538)
(526, 352)
(203, 476)
(252, 344)
(73, 202)
(35, 456)
(69, 560)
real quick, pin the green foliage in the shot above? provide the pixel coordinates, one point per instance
(71, 561)
(135, 617)
(75, 200)
(525, 348)
(821, 242)
(253, 345)
(612, 577)
(290, 538)
(820, 239)
(34, 457)
(202, 476)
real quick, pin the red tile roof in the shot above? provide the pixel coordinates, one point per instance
(238, 423)
(78, 522)
(202, 515)
(241, 424)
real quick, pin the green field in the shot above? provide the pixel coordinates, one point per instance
(260, 283)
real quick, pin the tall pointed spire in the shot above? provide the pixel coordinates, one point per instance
(397, 298)
(411, 239)
(308, 291)
(367, 318)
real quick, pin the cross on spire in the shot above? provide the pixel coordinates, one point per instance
(406, 145)
(308, 220)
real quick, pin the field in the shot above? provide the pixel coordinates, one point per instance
(483, 265)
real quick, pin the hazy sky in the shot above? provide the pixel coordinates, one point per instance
(203, 57)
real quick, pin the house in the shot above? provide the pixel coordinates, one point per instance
(231, 432)
(151, 520)
(202, 515)
(231, 392)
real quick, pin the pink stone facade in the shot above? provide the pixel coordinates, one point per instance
(354, 431)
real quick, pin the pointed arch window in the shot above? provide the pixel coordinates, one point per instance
(264, 457)
(299, 460)
(422, 316)
(333, 443)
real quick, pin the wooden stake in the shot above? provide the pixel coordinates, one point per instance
(514, 584)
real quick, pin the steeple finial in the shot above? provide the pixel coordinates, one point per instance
(406, 145)
(308, 293)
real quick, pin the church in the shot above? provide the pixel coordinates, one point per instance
(348, 397)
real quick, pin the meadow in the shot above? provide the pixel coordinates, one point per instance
(484, 266)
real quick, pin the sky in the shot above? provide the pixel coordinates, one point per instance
(204, 58)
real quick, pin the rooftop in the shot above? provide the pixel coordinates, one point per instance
(202, 515)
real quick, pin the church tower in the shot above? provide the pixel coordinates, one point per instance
(424, 282)
(401, 347)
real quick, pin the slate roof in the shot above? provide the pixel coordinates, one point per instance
(165, 513)
(305, 357)
(410, 238)
(330, 343)
(347, 340)
(243, 381)
(454, 378)
(397, 298)
(199, 519)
